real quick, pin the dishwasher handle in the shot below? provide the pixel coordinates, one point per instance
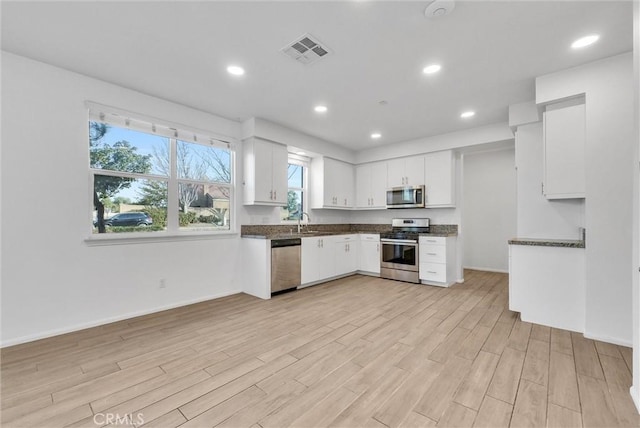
(285, 242)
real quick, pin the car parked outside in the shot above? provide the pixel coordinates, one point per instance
(128, 219)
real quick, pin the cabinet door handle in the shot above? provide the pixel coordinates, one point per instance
(345, 202)
(432, 254)
(430, 271)
(275, 195)
(322, 243)
(271, 195)
(378, 248)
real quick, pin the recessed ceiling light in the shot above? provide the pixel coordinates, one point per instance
(585, 41)
(467, 114)
(430, 69)
(376, 135)
(235, 70)
(320, 109)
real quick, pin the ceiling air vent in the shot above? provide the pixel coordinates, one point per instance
(306, 49)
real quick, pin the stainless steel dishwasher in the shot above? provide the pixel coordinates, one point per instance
(285, 264)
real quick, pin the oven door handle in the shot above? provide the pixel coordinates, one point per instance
(398, 241)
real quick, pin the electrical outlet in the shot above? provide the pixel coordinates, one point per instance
(163, 283)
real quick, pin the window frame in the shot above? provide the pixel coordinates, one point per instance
(141, 123)
(304, 162)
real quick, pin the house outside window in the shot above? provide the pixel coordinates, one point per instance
(297, 189)
(174, 180)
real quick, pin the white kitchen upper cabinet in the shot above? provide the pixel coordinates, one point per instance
(371, 185)
(369, 253)
(265, 173)
(440, 179)
(407, 171)
(564, 151)
(346, 254)
(332, 184)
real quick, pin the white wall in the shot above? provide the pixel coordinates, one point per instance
(52, 281)
(609, 188)
(635, 389)
(489, 134)
(539, 217)
(489, 215)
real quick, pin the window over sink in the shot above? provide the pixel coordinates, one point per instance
(297, 189)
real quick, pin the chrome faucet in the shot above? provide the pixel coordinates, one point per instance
(300, 219)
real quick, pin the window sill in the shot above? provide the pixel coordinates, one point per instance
(153, 237)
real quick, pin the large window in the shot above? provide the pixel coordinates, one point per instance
(296, 195)
(152, 178)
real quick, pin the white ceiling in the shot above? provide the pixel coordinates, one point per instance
(490, 52)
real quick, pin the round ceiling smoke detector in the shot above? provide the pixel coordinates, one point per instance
(439, 8)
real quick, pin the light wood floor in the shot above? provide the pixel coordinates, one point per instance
(354, 352)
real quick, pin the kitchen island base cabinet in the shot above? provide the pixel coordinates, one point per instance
(547, 285)
(437, 256)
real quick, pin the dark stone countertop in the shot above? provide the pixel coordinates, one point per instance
(281, 231)
(536, 242)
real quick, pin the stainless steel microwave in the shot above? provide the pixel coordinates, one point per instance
(405, 197)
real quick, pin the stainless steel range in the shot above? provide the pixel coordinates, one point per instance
(399, 254)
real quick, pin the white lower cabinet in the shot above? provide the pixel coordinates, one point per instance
(317, 258)
(437, 255)
(327, 257)
(369, 253)
(345, 254)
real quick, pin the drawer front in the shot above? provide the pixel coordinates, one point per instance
(433, 253)
(433, 272)
(370, 237)
(433, 240)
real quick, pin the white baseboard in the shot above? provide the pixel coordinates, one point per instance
(635, 396)
(367, 273)
(77, 327)
(486, 269)
(614, 340)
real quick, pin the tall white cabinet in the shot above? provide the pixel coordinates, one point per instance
(564, 150)
(265, 173)
(440, 179)
(371, 185)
